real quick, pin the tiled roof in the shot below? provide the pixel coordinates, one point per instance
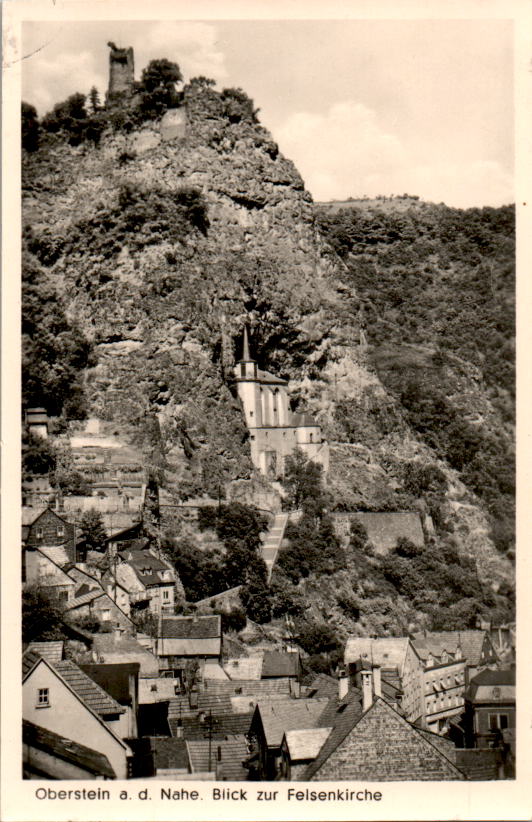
(95, 697)
(470, 642)
(279, 716)
(489, 677)
(265, 376)
(385, 528)
(217, 704)
(388, 652)
(244, 667)
(279, 663)
(223, 725)
(30, 657)
(57, 553)
(29, 515)
(231, 752)
(251, 687)
(169, 753)
(125, 649)
(323, 685)
(306, 742)
(373, 727)
(201, 627)
(66, 749)
(52, 650)
(84, 599)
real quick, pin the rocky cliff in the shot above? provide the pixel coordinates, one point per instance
(161, 242)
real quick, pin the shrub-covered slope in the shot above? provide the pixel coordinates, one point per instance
(161, 242)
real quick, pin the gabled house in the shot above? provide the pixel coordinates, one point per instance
(299, 749)
(379, 745)
(97, 604)
(61, 698)
(271, 720)
(491, 710)
(156, 577)
(47, 528)
(224, 757)
(39, 569)
(181, 638)
(48, 755)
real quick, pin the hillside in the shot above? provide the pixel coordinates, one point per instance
(146, 252)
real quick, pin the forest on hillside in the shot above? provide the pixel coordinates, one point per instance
(437, 303)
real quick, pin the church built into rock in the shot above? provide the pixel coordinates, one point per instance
(275, 431)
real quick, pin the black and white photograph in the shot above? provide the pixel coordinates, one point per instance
(264, 310)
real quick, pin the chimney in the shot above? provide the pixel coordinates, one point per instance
(367, 690)
(377, 689)
(117, 631)
(343, 683)
(179, 729)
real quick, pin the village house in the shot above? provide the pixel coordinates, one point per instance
(46, 528)
(39, 569)
(48, 755)
(379, 745)
(157, 578)
(490, 709)
(299, 749)
(99, 606)
(473, 646)
(182, 638)
(274, 430)
(271, 719)
(60, 698)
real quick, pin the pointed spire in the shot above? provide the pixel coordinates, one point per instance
(245, 354)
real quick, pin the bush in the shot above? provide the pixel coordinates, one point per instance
(30, 129)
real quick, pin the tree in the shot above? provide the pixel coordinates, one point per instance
(93, 530)
(157, 87)
(255, 593)
(42, 614)
(69, 117)
(302, 482)
(30, 127)
(38, 456)
(94, 100)
(202, 82)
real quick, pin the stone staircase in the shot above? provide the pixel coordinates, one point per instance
(273, 540)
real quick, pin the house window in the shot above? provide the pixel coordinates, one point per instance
(106, 614)
(498, 722)
(166, 594)
(60, 531)
(43, 697)
(39, 533)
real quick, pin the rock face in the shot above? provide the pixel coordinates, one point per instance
(164, 242)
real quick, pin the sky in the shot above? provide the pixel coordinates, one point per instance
(362, 107)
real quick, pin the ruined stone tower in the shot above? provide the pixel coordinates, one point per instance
(121, 74)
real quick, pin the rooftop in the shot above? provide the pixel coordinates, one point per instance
(279, 664)
(66, 749)
(306, 742)
(279, 716)
(90, 692)
(51, 650)
(200, 627)
(226, 756)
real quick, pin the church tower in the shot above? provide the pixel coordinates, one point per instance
(247, 376)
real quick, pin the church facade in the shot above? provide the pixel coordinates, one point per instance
(274, 431)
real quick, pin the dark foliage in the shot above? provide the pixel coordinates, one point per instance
(54, 350)
(141, 217)
(29, 127)
(71, 120)
(157, 88)
(93, 530)
(42, 615)
(200, 572)
(38, 456)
